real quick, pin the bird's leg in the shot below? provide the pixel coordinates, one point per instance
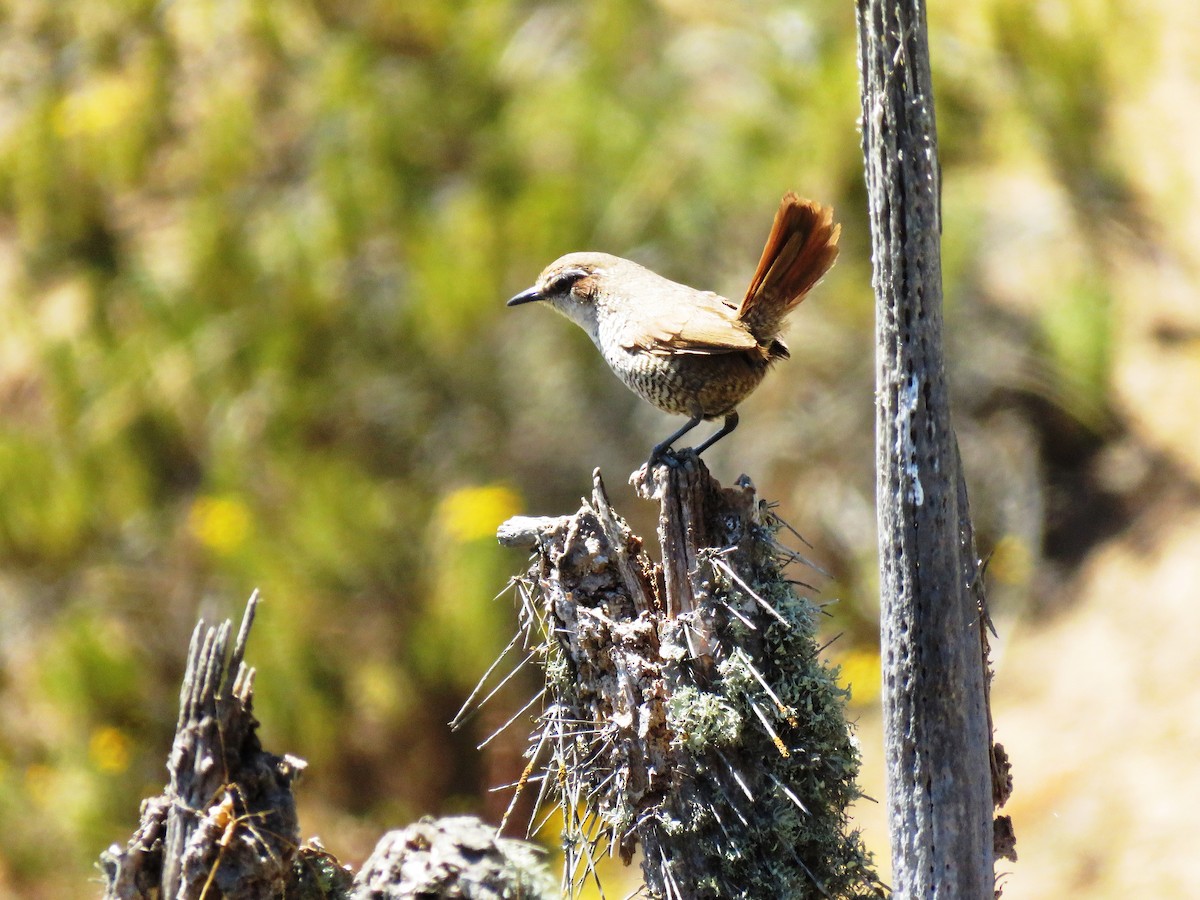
(731, 422)
(663, 446)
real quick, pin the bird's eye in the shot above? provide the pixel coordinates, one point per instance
(562, 282)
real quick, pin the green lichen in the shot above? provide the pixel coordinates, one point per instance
(701, 719)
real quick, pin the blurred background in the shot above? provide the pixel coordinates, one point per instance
(253, 264)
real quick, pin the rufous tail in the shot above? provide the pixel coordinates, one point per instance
(800, 249)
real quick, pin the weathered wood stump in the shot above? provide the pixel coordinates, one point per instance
(226, 826)
(687, 711)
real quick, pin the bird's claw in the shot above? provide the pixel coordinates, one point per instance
(664, 455)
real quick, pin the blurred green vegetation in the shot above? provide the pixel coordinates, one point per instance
(253, 259)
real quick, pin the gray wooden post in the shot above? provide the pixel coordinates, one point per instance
(936, 732)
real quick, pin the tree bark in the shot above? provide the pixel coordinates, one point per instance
(937, 733)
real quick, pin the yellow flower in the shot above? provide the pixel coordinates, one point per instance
(470, 513)
(102, 107)
(861, 673)
(108, 749)
(219, 523)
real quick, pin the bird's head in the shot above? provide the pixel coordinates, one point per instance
(574, 285)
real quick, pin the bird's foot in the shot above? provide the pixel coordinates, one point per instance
(665, 456)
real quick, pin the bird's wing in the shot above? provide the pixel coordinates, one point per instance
(705, 324)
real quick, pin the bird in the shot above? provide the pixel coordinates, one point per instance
(686, 351)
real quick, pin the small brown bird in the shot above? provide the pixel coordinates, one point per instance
(692, 352)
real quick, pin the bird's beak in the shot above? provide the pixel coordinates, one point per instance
(527, 296)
